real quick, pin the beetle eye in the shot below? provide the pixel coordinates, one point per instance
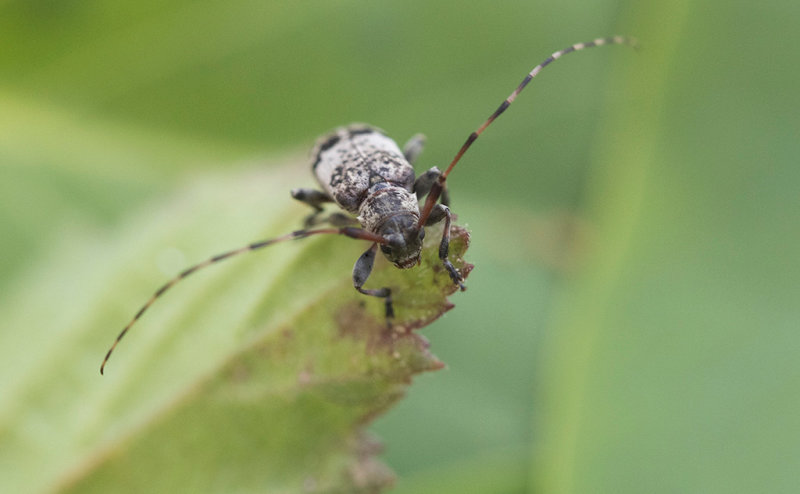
(395, 241)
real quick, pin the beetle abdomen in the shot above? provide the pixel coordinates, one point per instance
(350, 160)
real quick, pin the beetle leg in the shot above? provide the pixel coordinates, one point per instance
(339, 219)
(438, 213)
(413, 148)
(315, 199)
(361, 272)
(424, 183)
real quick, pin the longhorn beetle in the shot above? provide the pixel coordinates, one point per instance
(365, 173)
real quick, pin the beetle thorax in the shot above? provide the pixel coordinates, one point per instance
(393, 212)
(383, 201)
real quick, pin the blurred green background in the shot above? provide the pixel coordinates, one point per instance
(633, 322)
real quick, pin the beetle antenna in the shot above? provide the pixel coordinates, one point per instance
(438, 186)
(357, 233)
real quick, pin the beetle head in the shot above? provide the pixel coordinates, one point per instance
(403, 240)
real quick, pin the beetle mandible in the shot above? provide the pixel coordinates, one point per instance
(366, 174)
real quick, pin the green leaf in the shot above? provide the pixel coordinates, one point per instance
(258, 374)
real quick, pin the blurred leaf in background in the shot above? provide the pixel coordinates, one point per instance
(633, 322)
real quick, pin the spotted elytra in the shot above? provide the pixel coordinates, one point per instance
(371, 179)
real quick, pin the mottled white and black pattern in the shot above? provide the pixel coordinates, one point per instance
(352, 162)
(383, 201)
